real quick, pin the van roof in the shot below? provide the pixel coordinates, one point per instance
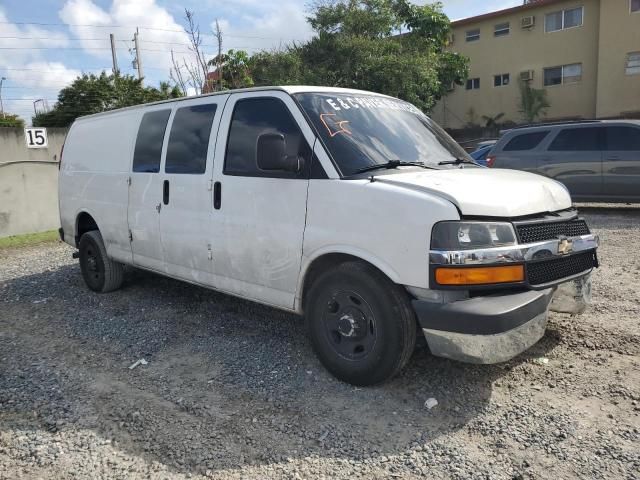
(290, 89)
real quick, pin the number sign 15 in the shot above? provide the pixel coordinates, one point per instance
(36, 137)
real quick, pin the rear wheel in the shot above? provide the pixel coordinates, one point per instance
(361, 324)
(100, 273)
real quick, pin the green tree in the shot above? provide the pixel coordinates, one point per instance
(533, 102)
(358, 44)
(235, 69)
(493, 123)
(283, 67)
(91, 93)
(9, 120)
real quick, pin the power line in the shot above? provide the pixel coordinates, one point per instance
(142, 28)
(88, 70)
(109, 48)
(47, 70)
(55, 48)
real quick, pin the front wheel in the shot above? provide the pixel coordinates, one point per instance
(100, 273)
(361, 324)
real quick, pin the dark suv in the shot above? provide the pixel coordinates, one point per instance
(598, 161)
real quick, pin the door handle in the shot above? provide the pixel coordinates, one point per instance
(613, 158)
(165, 192)
(158, 207)
(217, 195)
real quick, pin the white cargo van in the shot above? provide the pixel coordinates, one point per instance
(349, 207)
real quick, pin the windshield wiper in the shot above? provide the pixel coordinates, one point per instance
(391, 164)
(457, 161)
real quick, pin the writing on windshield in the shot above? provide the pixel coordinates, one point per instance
(361, 131)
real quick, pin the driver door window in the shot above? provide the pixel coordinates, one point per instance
(253, 117)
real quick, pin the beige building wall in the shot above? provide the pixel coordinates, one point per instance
(534, 49)
(618, 93)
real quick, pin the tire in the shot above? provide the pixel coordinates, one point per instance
(100, 273)
(361, 324)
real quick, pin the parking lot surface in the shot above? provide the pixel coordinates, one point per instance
(232, 389)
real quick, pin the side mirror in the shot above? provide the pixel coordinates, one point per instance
(271, 154)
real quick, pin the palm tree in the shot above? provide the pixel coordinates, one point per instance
(533, 102)
(493, 123)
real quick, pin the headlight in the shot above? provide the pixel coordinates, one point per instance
(471, 235)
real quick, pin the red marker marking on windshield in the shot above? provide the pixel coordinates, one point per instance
(334, 127)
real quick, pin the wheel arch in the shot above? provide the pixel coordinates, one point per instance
(330, 258)
(85, 222)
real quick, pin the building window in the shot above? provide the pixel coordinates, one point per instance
(563, 19)
(564, 74)
(501, 80)
(473, 84)
(501, 30)
(633, 63)
(473, 35)
(635, 6)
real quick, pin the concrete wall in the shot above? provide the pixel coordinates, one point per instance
(600, 45)
(28, 183)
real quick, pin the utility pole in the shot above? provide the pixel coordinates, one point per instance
(219, 58)
(1, 105)
(138, 56)
(113, 54)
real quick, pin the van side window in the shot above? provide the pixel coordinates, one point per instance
(577, 140)
(526, 141)
(623, 139)
(251, 118)
(189, 139)
(148, 150)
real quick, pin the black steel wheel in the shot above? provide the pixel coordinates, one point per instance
(361, 324)
(350, 325)
(100, 273)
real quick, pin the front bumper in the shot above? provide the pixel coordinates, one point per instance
(489, 329)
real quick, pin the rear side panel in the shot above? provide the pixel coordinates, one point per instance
(93, 177)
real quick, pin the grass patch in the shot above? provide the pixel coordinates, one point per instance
(29, 239)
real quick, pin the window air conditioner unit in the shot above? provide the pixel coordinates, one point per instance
(528, 22)
(526, 76)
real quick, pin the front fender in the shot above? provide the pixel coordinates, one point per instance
(350, 250)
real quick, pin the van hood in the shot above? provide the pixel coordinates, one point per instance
(487, 192)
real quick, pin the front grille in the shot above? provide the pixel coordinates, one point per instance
(539, 232)
(547, 271)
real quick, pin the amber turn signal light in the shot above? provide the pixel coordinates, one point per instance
(479, 275)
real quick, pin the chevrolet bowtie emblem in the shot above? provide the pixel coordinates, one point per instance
(565, 246)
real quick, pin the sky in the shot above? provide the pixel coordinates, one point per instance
(45, 44)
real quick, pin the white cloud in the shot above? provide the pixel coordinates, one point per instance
(24, 43)
(272, 26)
(88, 20)
(23, 61)
(43, 74)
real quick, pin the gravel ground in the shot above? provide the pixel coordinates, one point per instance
(233, 390)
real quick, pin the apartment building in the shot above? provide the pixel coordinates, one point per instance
(584, 53)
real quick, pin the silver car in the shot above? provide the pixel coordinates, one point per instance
(598, 161)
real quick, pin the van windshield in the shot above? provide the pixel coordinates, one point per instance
(362, 131)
